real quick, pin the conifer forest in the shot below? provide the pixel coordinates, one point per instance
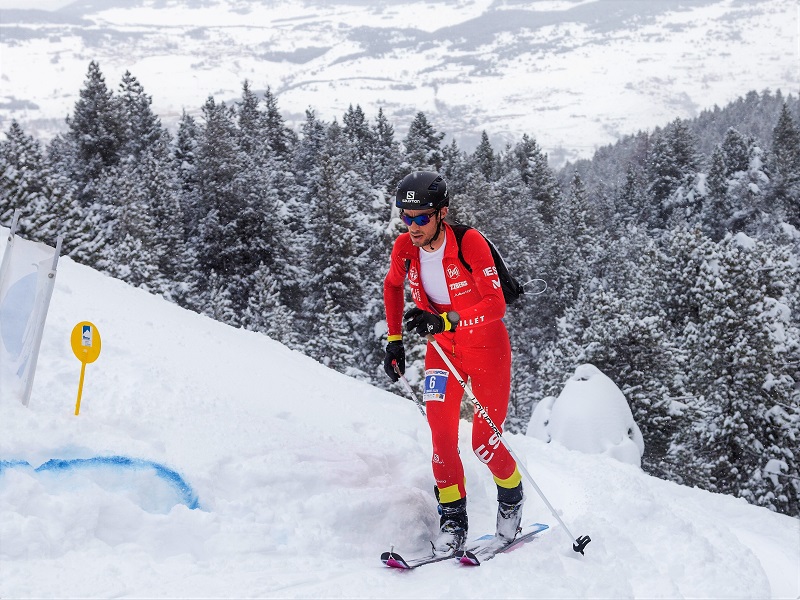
(671, 257)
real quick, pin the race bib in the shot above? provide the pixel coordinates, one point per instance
(435, 385)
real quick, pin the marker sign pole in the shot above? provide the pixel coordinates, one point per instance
(85, 342)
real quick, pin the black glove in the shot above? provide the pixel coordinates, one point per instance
(429, 323)
(395, 353)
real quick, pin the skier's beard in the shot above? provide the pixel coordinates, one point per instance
(431, 239)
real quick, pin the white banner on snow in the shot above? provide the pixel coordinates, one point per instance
(27, 277)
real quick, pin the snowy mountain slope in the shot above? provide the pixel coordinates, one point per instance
(575, 74)
(304, 476)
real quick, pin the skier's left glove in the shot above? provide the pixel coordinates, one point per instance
(425, 323)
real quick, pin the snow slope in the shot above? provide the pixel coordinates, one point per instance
(304, 476)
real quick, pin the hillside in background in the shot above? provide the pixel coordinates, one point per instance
(576, 74)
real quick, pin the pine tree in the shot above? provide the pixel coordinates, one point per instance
(217, 245)
(571, 249)
(184, 156)
(251, 124)
(265, 311)
(736, 365)
(96, 128)
(673, 164)
(423, 149)
(633, 204)
(334, 266)
(539, 177)
(785, 166)
(483, 159)
(383, 162)
(281, 139)
(65, 214)
(359, 138)
(24, 184)
(717, 210)
(454, 169)
(141, 128)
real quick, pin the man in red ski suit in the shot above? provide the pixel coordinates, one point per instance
(464, 311)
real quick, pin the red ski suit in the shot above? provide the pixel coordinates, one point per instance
(479, 348)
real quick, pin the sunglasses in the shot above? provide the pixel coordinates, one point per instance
(420, 220)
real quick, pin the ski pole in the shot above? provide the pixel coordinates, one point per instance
(409, 389)
(579, 543)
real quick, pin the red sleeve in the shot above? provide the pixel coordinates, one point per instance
(492, 305)
(394, 291)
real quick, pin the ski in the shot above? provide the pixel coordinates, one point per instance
(477, 551)
(489, 546)
(394, 560)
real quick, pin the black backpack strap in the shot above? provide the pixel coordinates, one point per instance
(460, 230)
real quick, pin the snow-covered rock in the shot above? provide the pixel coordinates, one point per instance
(590, 415)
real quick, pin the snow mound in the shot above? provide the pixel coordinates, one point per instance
(590, 415)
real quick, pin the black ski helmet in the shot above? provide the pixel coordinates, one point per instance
(421, 190)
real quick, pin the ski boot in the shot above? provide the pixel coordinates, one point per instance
(509, 511)
(453, 526)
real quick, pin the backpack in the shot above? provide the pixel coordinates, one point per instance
(510, 286)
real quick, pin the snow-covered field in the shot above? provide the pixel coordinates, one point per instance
(304, 476)
(573, 74)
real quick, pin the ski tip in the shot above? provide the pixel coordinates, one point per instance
(394, 560)
(465, 557)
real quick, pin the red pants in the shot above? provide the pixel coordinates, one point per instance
(489, 368)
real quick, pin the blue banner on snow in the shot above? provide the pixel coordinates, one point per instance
(129, 473)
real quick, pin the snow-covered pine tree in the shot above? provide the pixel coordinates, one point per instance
(259, 221)
(216, 245)
(64, 213)
(281, 139)
(144, 234)
(359, 138)
(455, 170)
(572, 249)
(184, 157)
(736, 369)
(96, 128)
(24, 184)
(423, 145)
(672, 167)
(265, 311)
(338, 227)
(633, 205)
(717, 209)
(483, 160)
(784, 165)
(383, 163)
(518, 232)
(539, 177)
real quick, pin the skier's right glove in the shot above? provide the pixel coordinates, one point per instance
(395, 354)
(426, 323)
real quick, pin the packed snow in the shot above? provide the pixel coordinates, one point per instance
(302, 476)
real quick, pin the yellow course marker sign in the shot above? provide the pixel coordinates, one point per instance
(85, 342)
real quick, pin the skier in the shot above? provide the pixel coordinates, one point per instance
(463, 310)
